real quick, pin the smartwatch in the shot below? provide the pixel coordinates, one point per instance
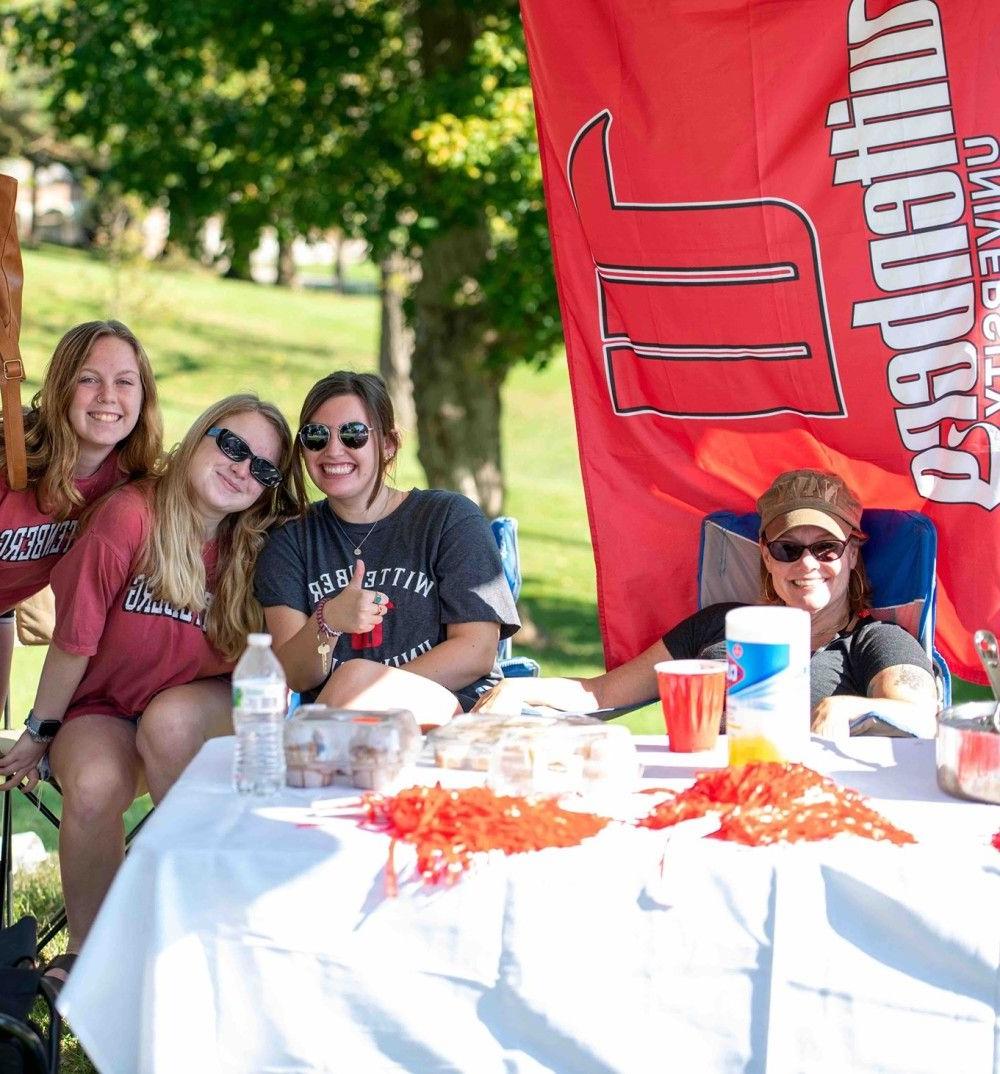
(41, 730)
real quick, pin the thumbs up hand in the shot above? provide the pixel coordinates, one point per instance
(356, 610)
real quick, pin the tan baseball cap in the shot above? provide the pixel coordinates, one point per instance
(809, 498)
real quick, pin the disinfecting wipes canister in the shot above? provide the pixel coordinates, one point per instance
(767, 684)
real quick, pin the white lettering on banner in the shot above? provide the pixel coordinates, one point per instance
(895, 135)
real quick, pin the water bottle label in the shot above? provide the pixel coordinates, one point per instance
(263, 697)
(752, 668)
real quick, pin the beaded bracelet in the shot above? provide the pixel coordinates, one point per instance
(324, 632)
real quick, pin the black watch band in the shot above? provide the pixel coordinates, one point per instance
(41, 730)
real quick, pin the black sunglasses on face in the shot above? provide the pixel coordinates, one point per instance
(236, 448)
(352, 434)
(827, 551)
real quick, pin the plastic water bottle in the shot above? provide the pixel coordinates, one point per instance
(260, 702)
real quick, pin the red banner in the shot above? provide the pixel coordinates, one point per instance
(776, 233)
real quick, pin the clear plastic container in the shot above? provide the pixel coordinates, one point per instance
(368, 750)
(564, 758)
(469, 741)
(539, 755)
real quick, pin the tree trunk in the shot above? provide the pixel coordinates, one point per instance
(395, 344)
(242, 233)
(457, 396)
(286, 257)
(336, 239)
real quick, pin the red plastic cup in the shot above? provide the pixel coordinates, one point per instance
(693, 695)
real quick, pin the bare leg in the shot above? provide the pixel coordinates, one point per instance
(98, 768)
(175, 725)
(365, 684)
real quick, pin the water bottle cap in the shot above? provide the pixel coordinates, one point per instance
(259, 639)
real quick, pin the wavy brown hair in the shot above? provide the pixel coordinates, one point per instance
(173, 561)
(51, 444)
(370, 388)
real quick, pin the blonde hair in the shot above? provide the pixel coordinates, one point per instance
(52, 446)
(173, 563)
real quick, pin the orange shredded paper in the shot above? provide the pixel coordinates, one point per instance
(768, 802)
(448, 827)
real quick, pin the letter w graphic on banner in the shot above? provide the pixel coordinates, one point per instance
(709, 309)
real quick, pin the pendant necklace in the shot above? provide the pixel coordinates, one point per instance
(360, 544)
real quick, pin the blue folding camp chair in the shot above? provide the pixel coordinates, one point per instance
(505, 534)
(900, 556)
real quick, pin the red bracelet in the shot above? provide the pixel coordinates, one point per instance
(322, 624)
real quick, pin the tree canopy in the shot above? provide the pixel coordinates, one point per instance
(406, 122)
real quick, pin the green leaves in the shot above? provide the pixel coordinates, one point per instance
(395, 120)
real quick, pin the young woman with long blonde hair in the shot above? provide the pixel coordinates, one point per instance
(154, 603)
(94, 423)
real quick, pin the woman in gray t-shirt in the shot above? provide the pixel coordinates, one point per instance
(379, 597)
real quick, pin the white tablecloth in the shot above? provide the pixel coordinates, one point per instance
(234, 940)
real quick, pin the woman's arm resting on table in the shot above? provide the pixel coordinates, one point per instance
(468, 652)
(61, 675)
(629, 684)
(904, 693)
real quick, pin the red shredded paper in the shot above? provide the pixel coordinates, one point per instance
(448, 827)
(768, 802)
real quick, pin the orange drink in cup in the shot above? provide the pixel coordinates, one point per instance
(693, 695)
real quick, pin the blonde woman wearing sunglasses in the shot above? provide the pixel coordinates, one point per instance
(381, 597)
(154, 603)
(810, 543)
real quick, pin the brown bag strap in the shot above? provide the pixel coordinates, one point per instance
(13, 423)
(11, 370)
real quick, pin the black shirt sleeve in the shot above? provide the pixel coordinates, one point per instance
(877, 646)
(699, 635)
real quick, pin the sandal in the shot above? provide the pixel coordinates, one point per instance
(62, 962)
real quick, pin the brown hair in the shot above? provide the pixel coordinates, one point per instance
(51, 444)
(370, 388)
(173, 559)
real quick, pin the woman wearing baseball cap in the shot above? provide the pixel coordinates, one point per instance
(810, 545)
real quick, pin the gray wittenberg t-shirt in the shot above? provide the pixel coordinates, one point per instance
(434, 557)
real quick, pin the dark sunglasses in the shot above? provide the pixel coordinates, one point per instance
(352, 434)
(236, 448)
(828, 551)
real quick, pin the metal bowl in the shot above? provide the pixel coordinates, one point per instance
(968, 752)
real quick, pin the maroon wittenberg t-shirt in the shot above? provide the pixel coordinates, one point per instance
(32, 542)
(137, 645)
